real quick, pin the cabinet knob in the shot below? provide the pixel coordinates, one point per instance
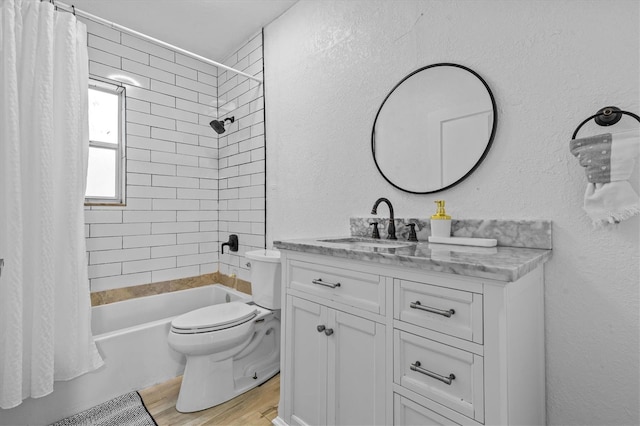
(320, 328)
(328, 331)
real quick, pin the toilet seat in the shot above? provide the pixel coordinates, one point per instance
(214, 318)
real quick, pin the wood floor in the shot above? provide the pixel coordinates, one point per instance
(256, 407)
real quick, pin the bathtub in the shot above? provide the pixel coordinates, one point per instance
(132, 338)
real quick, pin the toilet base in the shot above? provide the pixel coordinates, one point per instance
(208, 381)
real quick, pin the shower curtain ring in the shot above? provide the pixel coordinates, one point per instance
(73, 8)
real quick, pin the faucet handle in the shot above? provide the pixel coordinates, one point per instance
(412, 232)
(375, 233)
(232, 244)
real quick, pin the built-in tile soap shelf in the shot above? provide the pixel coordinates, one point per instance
(509, 233)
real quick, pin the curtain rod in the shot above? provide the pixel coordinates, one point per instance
(82, 13)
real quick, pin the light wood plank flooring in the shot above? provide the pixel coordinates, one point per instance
(258, 407)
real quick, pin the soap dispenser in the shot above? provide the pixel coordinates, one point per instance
(440, 222)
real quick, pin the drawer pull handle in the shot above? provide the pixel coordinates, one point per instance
(326, 284)
(320, 328)
(443, 379)
(417, 305)
(328, 331)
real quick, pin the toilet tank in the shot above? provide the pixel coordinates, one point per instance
(265, 277)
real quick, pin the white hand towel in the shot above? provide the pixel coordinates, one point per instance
(609, 160)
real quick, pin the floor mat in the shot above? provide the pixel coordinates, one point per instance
(125, 410)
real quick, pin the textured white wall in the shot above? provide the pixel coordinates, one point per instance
(329, 65)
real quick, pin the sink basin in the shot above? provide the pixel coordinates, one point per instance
(365, 242)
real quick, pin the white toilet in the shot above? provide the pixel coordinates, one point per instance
(231, 347)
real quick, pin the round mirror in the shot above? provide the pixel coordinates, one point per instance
(434, 128)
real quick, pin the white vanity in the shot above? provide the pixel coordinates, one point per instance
(411, 335)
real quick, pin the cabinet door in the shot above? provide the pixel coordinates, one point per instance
(444, 374)
(356, 371)
(306, 363)
(407, 412)
(454, 312)
(358, 289)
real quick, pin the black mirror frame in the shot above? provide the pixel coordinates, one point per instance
(489, 142)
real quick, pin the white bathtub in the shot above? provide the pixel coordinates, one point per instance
(132, 339)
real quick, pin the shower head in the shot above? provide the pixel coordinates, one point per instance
(218, 125)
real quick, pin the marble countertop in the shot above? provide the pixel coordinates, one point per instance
(497, 263)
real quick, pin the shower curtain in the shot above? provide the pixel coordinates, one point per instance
(45, 308)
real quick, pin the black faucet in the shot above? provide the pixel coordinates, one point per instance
(232, 244)
(391, 231)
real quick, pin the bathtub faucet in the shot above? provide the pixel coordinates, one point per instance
(232, 244)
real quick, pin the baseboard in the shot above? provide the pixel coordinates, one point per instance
(279, 422)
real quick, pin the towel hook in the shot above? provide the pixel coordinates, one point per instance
(607, 116)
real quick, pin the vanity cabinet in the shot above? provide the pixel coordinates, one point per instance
(336, 359)
(367, 343)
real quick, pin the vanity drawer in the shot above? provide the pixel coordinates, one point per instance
(407, 412)
(353, 288)
(454, 312)
(447, 375)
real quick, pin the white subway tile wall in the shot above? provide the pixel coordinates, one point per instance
(179, 207)
(241, 182)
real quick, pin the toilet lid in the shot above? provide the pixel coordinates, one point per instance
(215, 317)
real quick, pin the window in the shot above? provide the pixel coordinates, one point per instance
(106, 171)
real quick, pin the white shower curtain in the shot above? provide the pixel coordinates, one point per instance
(45, 309)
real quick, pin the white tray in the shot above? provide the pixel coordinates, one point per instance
(463, 241)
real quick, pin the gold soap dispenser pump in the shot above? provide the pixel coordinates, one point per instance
(440, 222)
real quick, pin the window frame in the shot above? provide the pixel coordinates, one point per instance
(116, 88)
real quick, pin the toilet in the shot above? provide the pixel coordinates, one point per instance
(231, 347)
